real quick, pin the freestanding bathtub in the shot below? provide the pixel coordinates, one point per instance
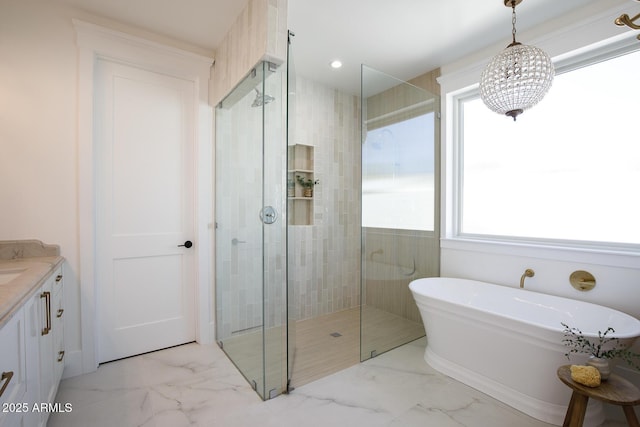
(507, 342)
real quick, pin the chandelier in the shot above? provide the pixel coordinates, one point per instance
(518, 77)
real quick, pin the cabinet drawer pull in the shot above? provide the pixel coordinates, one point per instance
(58, 277)
(47, 301)
(60, 311)
(60, 355)
(6, 377)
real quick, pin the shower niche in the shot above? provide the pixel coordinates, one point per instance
(300, 166)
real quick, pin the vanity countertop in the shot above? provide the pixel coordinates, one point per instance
(20, 277)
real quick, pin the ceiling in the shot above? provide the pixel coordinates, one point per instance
(404, 38)
(203, 23)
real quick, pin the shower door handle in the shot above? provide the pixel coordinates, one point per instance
(268, 215)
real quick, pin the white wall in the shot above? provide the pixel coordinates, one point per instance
(617, 275)
(38, 137)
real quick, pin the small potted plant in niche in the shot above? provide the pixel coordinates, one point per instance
(600, 350)
(290, 187)
(307, 185)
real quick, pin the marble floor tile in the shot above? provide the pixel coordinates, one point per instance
(194, 385)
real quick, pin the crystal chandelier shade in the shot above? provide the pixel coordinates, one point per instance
(517, 78)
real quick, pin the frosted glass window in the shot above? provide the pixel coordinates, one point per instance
(398, 175)
(567, 169)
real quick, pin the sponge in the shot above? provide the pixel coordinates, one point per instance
(586, 375)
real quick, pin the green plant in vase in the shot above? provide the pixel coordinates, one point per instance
(600, 350)
(307, 185)
(290, 187)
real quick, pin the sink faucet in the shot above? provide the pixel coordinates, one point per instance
(527, 273)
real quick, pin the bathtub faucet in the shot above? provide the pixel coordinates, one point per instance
(527, 273)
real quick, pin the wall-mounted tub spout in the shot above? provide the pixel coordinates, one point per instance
(527, 273)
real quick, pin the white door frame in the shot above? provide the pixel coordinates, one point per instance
(95, 42)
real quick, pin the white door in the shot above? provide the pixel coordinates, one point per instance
(144, 142)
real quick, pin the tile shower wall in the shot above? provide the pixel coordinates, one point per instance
(259, 33)
(240, 307)
(392, 259)
(324, 258)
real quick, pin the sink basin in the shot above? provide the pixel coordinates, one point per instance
(8, 275)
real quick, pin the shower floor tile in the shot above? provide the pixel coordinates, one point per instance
(318, 353)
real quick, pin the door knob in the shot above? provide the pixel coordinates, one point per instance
(187, 244)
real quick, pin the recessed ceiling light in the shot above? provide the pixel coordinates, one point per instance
(336, 63)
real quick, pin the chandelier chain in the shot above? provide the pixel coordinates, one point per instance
(513, 21)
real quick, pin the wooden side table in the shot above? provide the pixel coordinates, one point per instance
(616, 390)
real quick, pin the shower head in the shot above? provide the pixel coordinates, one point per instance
(261, 99)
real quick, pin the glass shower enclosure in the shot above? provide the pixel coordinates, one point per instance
(251, 226)
(400, 208)
(340, 260)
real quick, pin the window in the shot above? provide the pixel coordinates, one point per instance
(568, 169)
(398, 175)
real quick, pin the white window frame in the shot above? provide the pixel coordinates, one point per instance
(461, 85)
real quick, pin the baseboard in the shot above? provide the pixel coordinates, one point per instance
(206, 335)
(72, 364)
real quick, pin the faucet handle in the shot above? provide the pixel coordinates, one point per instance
(582, 280)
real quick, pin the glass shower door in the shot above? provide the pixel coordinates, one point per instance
(251, 229)
(399, 207)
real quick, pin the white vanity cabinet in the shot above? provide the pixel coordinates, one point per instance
(57, 315)
(33, 334)
(12, 371)
(51, 343)
(32, 350)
